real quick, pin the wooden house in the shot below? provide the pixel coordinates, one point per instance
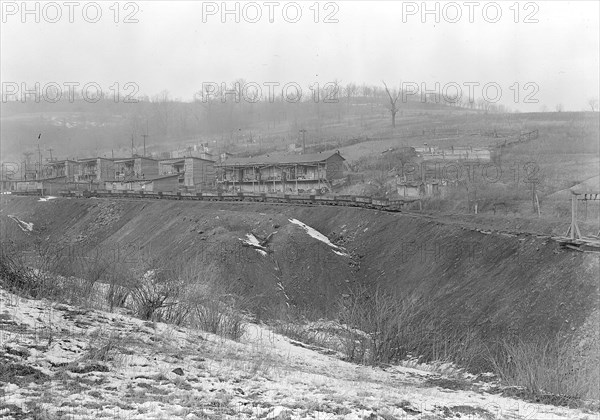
(282, 173)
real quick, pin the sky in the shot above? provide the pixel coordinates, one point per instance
(525, 55)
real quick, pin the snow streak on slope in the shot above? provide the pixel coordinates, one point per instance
(253, 242)
(25, 227)
(50, 197)
(319, 236)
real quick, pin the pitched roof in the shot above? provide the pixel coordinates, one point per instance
(280, 159)
(60, 162)
(175, 161)
(132, 159)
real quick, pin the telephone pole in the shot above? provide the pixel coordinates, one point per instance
(303, 131)
(39, 171)
(144, 136)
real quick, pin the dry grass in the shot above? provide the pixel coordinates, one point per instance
(410, 330)
(548, 366)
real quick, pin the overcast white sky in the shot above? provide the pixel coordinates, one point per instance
(172, 48)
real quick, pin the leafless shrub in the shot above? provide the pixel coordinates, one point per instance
(14, 274)
(401, 327)
(222, 315)
(547, 366)
(154, 290)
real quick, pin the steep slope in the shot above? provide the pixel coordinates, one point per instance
(498, 283)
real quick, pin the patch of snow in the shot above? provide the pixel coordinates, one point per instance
(277, 411)
(254, 243)
(25, 227)
(320, 237)
(50, 197)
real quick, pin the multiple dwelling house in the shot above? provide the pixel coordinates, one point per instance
(172, 167)
(145, 174)
(62, 168)
(282, 174)
(95, 170)
(308, 173)
(135, 168)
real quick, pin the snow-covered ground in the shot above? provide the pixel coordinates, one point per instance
(60, 361)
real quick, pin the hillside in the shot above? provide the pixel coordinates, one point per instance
(500, 282)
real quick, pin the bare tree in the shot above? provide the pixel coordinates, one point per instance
(163, 105)
(393, 96)
(350, 91)
(593, 103)
(559, 108)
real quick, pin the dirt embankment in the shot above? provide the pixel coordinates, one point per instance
(498, 283)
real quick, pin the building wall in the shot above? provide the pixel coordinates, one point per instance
(199, 173)
(458, 154)
(105, 169)
(335, 167)
(8, 185)
(70, 170)
(27, 186)
(55, 186)
(84, 170)
(121, 186)
(305, 187)
(98, 170)
(170, 184)
(146, 167)
(167, 167)
(411, 191)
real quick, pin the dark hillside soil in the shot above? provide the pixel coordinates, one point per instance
(498, 283)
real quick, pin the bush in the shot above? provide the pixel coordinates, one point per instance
(154, 291)
(14, 275)
(222, 318)
(400, 328)
(547, 366)
(180, 297)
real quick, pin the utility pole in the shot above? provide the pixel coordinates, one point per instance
(26, 162)
(131, 144)
(39, 173)
(533, 196)
(303, 131)
(144, 136)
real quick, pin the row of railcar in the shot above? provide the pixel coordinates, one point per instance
(300, 199)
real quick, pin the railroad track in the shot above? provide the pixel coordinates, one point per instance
(394, 206)
(292, 199)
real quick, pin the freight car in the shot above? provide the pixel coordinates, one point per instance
(291, 199)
